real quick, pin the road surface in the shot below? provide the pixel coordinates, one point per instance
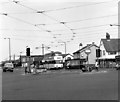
(60, 85)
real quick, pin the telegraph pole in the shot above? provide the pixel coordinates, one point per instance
(43, 49)
(9, 49)
(65, 46)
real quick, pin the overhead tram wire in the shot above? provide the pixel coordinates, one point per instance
(82, 19)
(17, 2)
(6, 29)
(5, 14)
(63, 23)
(42, 12)
(92, 18)
(34, 9)
(84, 27)
(26, 22)
(78, 6)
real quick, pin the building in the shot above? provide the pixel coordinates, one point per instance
(32, 58)
(82, 53)
(109, 49)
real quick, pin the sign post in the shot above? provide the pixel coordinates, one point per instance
(88, 51)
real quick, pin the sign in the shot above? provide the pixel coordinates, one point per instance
(88, 51)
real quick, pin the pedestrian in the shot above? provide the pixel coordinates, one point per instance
(26, 65)
(96, 66)
(68, 64)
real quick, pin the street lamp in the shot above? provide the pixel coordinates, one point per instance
(9, 49)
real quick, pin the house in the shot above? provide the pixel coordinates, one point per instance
(89, 49)
(109, 49)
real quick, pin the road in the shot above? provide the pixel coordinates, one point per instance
(60, 85)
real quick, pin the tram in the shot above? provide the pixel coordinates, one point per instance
(53, 62)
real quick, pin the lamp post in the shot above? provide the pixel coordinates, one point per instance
(9, 49)
(64, 44)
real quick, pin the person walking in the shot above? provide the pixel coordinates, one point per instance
(96, 66)
(26, 65)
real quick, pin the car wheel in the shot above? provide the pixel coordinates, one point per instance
(4, 70)
(11, 70)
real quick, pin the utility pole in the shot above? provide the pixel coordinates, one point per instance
(65, 46)
(14, 57)
(43, 49)
(9, 49)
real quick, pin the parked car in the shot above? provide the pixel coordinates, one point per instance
(8, 67)
(75, 64)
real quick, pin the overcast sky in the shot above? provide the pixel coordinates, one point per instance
(84, 22)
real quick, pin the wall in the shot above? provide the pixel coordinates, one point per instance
(91, 57)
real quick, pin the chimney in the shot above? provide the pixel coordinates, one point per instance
(93, 43)
(88, 44)
(107, 36)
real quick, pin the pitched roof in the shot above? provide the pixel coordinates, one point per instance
(111, 45)
(87, 46)
(64, 55)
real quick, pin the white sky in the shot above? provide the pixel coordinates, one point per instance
(90, 23)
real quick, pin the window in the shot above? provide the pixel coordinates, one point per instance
(111, 53)
(103, 52)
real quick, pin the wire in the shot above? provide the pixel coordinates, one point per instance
(42, 12)
(20, 30)
(83, 27)
(26, 22)
(20, 12)
(92, 26)
(94, 31)
(82, 19)
(17, 2)
(20, 20)
(92, 18)
(78, 6)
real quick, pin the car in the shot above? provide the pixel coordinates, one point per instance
(117, 66)
(8, 67)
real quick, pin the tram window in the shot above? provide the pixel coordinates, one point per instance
(58, 62)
